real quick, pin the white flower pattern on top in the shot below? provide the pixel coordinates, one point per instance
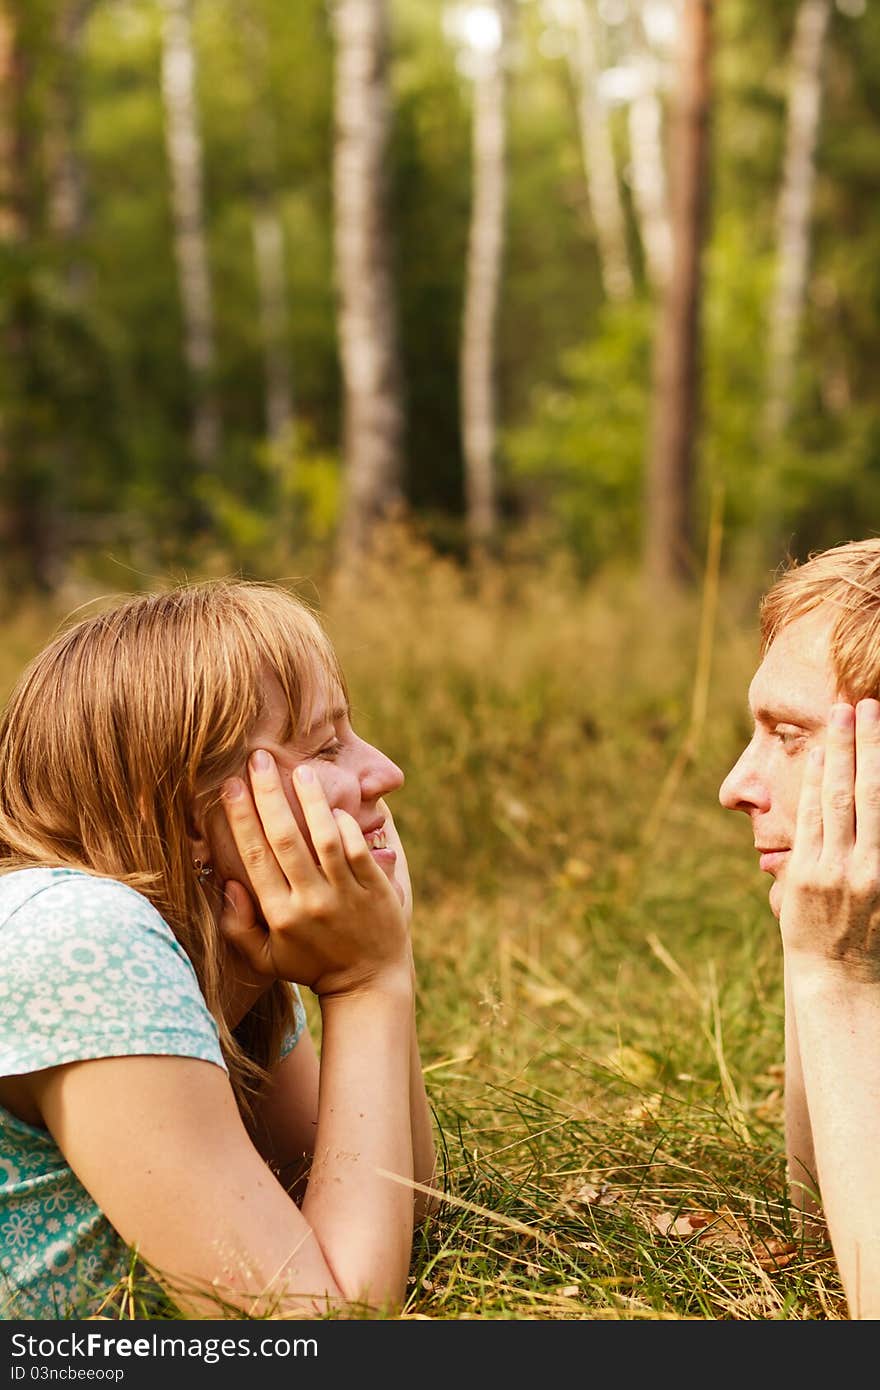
(88, 968)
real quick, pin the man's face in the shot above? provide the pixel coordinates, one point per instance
(790, 699)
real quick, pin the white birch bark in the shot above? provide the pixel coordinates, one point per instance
(373, 413)
(184, 147)
(482, 289)
(66, 189)
(267, 232)
(675, 391)
(11, 217)
(647, 164)
(13, 234)
(66, 216)
(598, 157)
(268, 238)
(794, 209)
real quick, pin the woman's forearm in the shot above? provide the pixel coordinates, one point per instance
(362, 1217)
(424, 1151)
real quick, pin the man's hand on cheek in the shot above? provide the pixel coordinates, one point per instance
(830, 910)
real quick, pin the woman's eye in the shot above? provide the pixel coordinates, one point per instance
(330, 750)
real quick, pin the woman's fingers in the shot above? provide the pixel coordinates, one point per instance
(402, 881)
(241, 930)
(838, 785)
(867, 791)
(321, 823)
(278, 821)
(264, 873)
(357, 851)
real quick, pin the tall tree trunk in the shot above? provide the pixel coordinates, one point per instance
(648, 168)
(675, 390)
(373, 410)
(482, 289)
(18, 524)
(12, 144)
(795, 206)
(268, 233)
(66, 192)
(184, 146)
(268, 238)
(66, 218)
(598, 156)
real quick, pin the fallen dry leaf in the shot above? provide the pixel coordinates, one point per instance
(775, 1254)
(595, 1195)
(725, 1230)
(709, 1227)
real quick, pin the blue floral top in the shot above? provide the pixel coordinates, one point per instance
(88, 968)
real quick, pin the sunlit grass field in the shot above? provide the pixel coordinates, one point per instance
(600, 997)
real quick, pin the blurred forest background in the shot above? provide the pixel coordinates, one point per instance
(531, 275)
(524, 314)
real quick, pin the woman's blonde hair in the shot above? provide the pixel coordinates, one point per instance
(128, 716)
(846, 580)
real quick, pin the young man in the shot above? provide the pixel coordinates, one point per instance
(809, 781)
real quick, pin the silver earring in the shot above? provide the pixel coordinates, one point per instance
(203, 870)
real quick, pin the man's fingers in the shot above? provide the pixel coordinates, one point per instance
(867, 793)
(808, 830)
(838, 784)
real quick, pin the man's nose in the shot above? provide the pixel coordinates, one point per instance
(743, 789)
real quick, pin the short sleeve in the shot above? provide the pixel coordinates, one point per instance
(297, 1028)
(91, 969)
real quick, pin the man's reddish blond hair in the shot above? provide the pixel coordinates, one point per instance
(845, 580)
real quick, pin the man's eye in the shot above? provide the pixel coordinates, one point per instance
(788, 737)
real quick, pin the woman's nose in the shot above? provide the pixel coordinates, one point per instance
(380, 775)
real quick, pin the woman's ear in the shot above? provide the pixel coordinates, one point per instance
(197, 831)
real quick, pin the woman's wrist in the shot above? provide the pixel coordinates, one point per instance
(394, 983)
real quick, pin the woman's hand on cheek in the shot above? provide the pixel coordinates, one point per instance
(402, 881)
(336, 924)
(248, 971)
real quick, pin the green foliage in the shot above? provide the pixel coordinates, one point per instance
(96, 399)
(600, 1008)
(581, 455)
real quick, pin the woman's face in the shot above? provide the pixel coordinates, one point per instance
(354, 775)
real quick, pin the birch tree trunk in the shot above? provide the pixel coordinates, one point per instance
(12, 218)
(268, 234)
(373, 411)
(66, 219)
(485, 256)
(794, 210)
(66, 192)
(650, 197)
(675, 389)
(598, 157)
(15, 217)
(184, 146)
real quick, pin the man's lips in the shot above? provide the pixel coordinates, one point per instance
(772, 857)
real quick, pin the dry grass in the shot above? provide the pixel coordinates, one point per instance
(600, 983)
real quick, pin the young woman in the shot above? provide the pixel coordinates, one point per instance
(190, 828)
